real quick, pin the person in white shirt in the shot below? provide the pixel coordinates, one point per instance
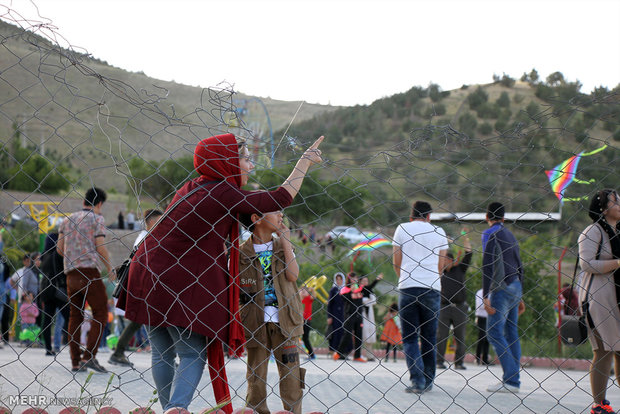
(419, 258)
(482, 346)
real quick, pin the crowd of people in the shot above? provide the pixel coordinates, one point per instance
(195, 290)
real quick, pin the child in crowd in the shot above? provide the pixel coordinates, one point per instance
(28, 312)
(391, 332)
(307, 297)
(271, 311)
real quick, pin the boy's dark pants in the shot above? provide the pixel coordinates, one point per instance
(286, 353)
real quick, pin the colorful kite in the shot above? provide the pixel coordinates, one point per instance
(374, 242)
(563, 175)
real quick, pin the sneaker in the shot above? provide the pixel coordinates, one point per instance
(50, 353)
(501, 387)
(441, 365)
(120, 360)
(460, 367)
(414, 390)
(336, 356)
(79, 368)
(360, 359)
(311, 357)
(94, 365)
(602, 408)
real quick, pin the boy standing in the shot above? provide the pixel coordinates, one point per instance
(271, 311)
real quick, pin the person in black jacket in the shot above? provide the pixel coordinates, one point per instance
(454, 307)
(335, 312)
(53, 291)
(353, 321)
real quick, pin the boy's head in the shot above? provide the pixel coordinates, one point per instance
(27, 297)
(353, 279)
(364, 281)
(421, 210)
(257, 221)
(394, 307)
(150, 218)
(495, 212)
(94, 197)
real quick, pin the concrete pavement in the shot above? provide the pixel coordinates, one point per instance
(28, 377)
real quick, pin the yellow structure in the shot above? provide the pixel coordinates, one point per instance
(41, 212)
(317, 283)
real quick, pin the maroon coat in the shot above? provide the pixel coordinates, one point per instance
(179, 275)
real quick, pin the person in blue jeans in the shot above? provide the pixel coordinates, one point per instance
(502, 290)
(419, 258)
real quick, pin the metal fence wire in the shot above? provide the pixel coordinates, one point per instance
(350, 267)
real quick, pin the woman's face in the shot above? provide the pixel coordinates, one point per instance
(613, 208)
(245, 164)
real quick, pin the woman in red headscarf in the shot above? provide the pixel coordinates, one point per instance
(181, 283)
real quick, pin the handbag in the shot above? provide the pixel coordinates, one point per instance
(122, 271)
(574, 329)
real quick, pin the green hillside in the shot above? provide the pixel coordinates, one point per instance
(463, 147)
(92, 117)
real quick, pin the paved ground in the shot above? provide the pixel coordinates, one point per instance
(334, 387)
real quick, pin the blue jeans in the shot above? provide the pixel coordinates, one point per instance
(60, 321)
(419, 314)
(175, 388)
(502, 330)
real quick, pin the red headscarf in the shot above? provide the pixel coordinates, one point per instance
(217, 159)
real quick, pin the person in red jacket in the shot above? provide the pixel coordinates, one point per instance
(181, 284)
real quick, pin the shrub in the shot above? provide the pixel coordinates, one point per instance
(467, 124)
(488, 110)
(503, 100)
(485, 128)
(477, 98)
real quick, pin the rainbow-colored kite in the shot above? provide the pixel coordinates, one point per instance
(563, 175)
(372, 243)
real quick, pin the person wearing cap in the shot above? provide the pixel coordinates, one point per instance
(182, 284)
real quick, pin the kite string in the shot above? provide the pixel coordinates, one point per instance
(289, 125)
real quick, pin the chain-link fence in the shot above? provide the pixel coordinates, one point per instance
(335, 305)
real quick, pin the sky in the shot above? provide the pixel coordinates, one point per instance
(340, 52)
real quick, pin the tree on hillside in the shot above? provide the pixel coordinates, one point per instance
(503, 100)
(477, 98)
(555, 79)
(160, 180)
(507, 81)
(533, 76)
(467, 124)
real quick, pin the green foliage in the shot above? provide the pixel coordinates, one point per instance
(23, 169)
(504, 100)
(488, 111)
(160, 179)
(485, 128)
(477, 98)
(507, 81)
(435, 110)
(539, 290)
(467, 124)
(532, 108)
(19, 240)
(436, 94)
(343, 201)
(555, 79)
